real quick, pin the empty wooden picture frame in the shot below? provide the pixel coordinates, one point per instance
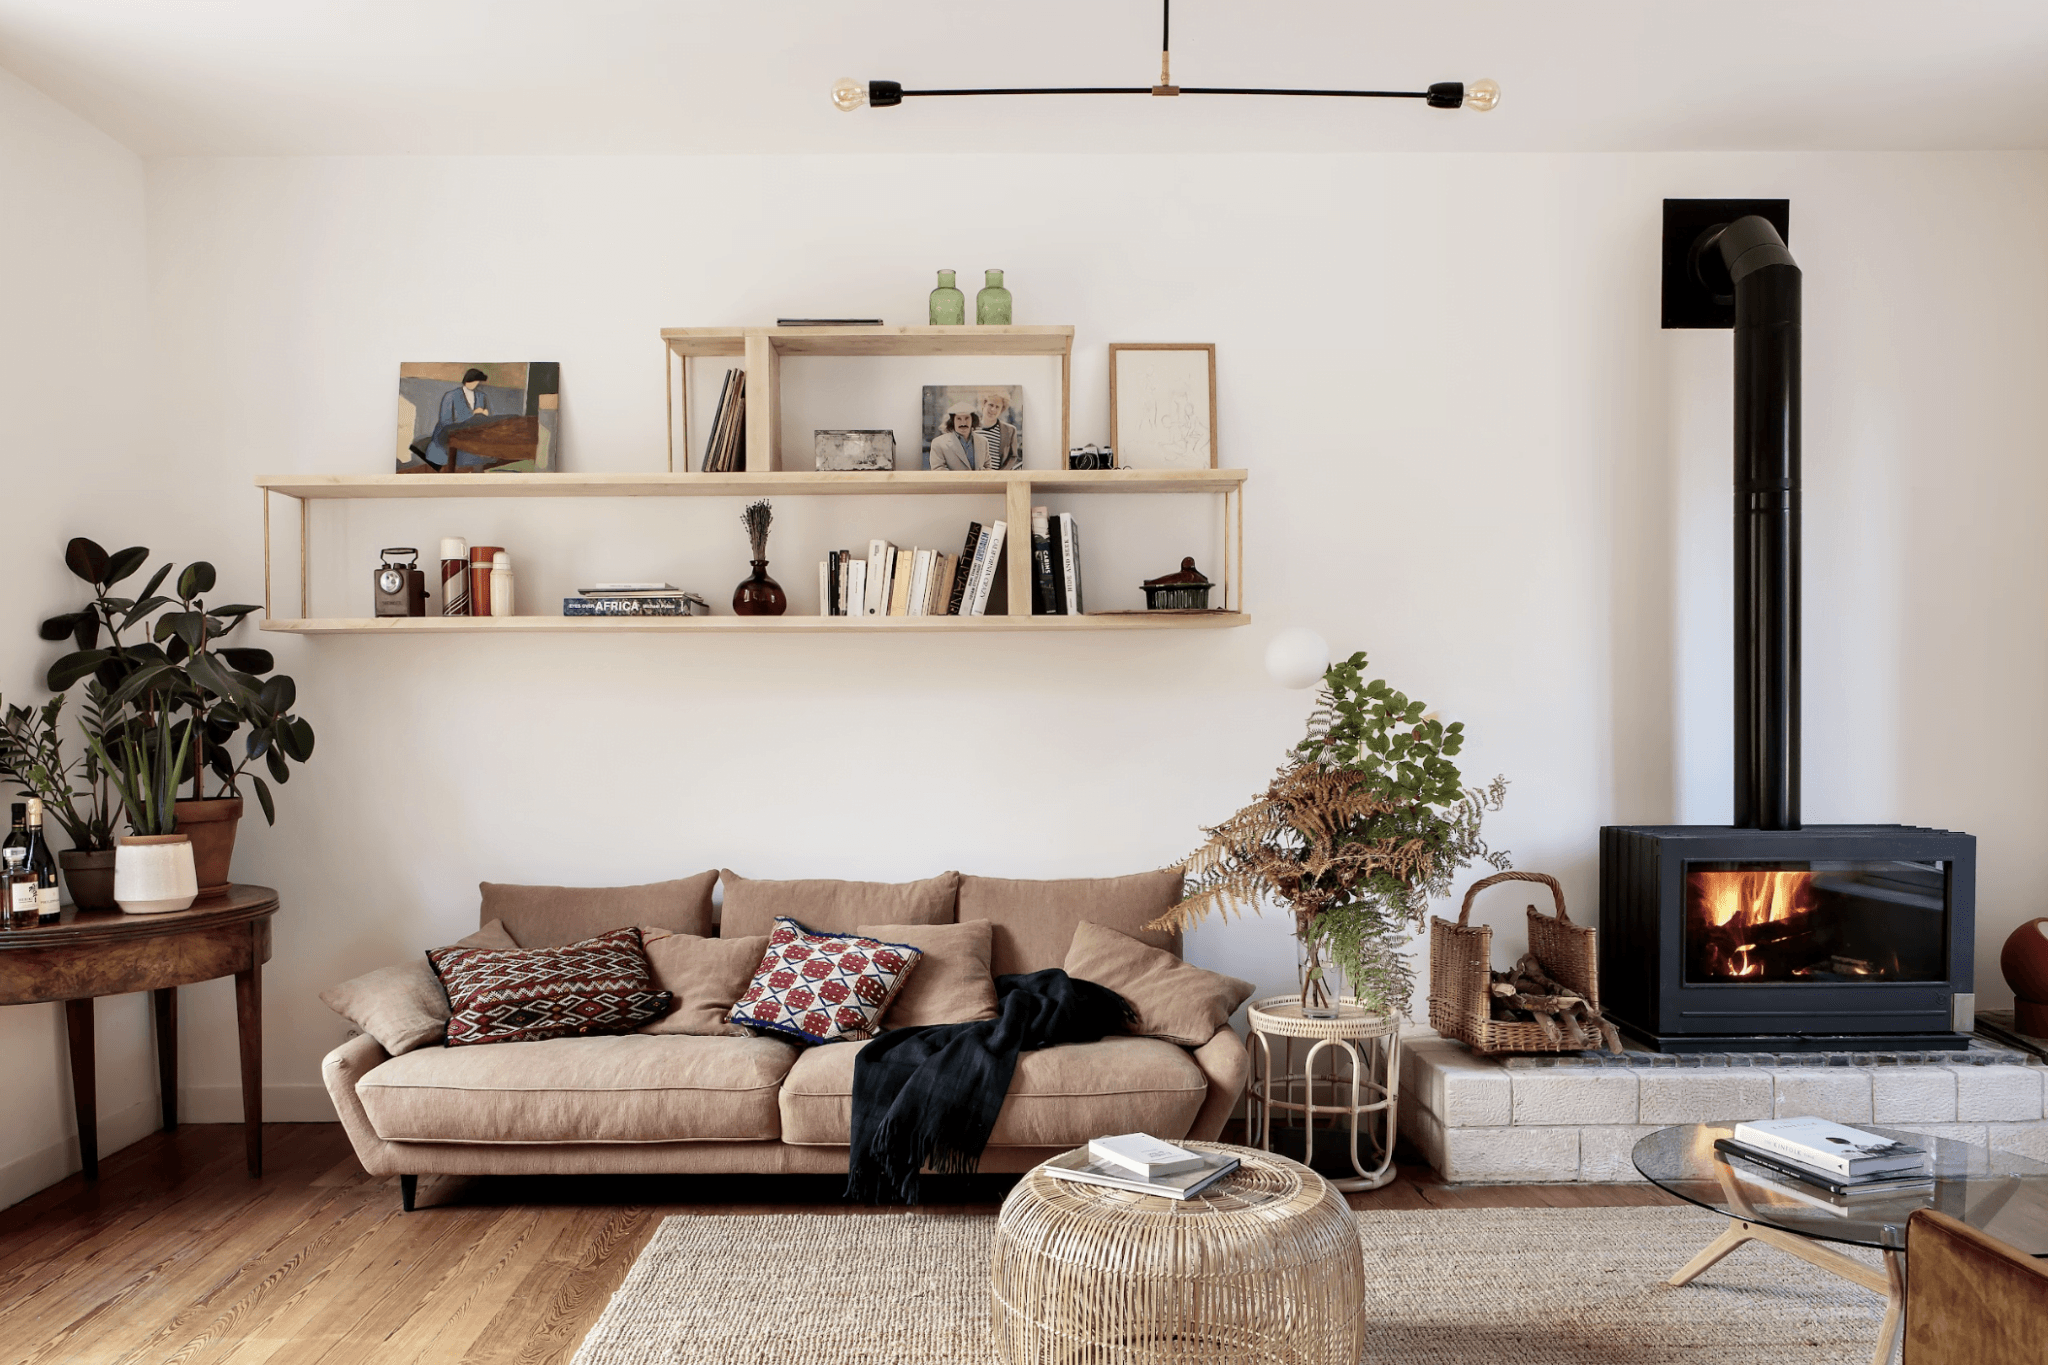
(1162, 404)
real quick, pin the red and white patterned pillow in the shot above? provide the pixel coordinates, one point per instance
(495, 995)
(823, 988)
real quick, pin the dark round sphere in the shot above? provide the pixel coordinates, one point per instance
(2025, 961)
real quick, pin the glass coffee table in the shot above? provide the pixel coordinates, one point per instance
(1998, 1193)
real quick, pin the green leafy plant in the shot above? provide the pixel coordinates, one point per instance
(32, 757)
(147, 777)
(160, 660)
(1366, 822)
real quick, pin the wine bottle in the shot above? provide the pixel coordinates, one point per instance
(43, 864)
(17, 890)
(17, 835)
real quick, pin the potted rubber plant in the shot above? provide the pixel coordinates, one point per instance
(77, 793)
(164, 654)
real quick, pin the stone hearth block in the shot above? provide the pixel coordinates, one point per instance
(2002, 1094)
(1462, 1090)
(1558, 1096)
(1841, 1093)
(2028, 1139)
(1918, 1094)
(1604, 1152)
(1510, 1155)
(1425, 1132)
(1704, 1095)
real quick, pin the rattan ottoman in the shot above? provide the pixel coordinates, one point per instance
(1263, 1266)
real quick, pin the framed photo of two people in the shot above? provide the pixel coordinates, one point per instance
(973, 426)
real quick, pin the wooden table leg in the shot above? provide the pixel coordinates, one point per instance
(249, 1022)
(1894, 1307)
(84, 1086)
(166, 1002)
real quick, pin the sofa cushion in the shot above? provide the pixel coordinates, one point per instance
(623, 1088)
(752, 906)
(404, 1007)
(1034, 921)
(1174, 1000)
(550, 916)
(705, 975)
(952, 984)
(1060, 1096)
(601, 985)
(823, 988)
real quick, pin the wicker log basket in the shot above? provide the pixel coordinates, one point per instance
(1461, 977)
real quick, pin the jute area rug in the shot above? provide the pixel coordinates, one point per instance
(1444, 1287)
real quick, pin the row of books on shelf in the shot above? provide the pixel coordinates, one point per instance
(725, 452)
(1142, 1164)
(892, 580)
(1828, 1165)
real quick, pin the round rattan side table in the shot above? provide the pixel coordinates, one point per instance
(1263, 1266)
(1372, 1044)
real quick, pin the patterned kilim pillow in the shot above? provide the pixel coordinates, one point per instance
(823, 988)
(601, 985)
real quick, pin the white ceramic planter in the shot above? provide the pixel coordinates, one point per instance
(153, 874)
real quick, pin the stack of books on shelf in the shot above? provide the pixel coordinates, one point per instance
(892, 580)
(1828, 1165)
(635, 599)
(726, 451)
(1142, 1164)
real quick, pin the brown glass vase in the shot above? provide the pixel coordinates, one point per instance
(760, 595)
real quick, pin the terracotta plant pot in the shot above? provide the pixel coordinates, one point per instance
(2025, 964)
(211, 825)
(89, 877)
(153, 874)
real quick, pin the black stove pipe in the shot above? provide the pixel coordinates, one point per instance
(1766, 284)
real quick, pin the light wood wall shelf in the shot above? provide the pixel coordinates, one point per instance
(761, 349)
(725, 625)
(1017, 488)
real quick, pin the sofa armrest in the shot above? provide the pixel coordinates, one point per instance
(341, 1069)
(1226, 1064)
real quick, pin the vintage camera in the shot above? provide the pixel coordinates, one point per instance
(1091, 456)
(400, 589)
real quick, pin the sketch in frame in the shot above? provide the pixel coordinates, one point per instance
(973, 426)
(462, 417)
(1162, 404)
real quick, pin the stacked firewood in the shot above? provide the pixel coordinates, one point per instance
(1528, 995)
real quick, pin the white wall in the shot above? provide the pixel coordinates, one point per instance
(1473, 454)
(74, 379)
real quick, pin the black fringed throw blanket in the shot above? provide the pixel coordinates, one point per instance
(928, 1096)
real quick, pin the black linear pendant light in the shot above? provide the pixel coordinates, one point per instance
(849, 94)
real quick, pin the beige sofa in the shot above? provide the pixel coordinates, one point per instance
(672, 1103)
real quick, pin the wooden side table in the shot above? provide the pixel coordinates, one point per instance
(91, 953)
(1371, 1042)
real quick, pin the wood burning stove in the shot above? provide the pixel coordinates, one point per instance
(1829, 938)
(1765, 935)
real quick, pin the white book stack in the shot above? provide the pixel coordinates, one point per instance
(1834, 1148)
(1083, 1167)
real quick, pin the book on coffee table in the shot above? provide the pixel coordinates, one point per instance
(1145, 1156)
(1833, 1148)
(1080, 1168)
(1847, 1187)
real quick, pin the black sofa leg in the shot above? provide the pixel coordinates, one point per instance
(408, 1190)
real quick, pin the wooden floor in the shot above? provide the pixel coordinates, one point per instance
(175, 1254)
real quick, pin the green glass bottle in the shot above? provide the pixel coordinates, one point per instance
(992, 304)
(949, 305)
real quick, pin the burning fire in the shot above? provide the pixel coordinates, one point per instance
(1736, 902)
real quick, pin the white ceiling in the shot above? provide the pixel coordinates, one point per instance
(501, 77)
